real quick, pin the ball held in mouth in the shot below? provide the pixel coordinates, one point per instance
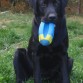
(46, 33)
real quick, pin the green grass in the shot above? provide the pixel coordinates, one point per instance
(75, 29)
(15, 30)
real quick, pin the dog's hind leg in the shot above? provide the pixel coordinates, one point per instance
(22, 66)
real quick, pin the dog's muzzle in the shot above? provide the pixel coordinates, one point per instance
(52, 17)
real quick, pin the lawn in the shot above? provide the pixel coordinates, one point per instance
(15, 32)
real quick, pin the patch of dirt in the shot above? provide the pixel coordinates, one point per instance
(76, 18)
(4, 22)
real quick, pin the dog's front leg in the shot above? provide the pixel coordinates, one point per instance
(36, 65)
(37, 74)
(64, 70)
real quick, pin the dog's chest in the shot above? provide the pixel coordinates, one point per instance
(49, 59)
(49, 65)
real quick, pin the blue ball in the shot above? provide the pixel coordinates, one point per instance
(46, 33)
(44, 42)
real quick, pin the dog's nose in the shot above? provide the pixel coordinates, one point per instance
(52, 17)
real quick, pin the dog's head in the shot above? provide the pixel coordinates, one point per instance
(49, 10)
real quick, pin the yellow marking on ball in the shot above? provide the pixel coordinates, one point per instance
(48, 37)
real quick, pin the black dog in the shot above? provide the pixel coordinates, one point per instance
(49, 63)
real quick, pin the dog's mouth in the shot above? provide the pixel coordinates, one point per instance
(46, 20)
(47, 28)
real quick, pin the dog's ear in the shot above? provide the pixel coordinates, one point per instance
(63, 5)
(64, 2)
(34, 5)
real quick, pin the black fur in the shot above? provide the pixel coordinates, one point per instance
(49, 63)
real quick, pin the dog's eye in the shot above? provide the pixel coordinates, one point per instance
(44, 5)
